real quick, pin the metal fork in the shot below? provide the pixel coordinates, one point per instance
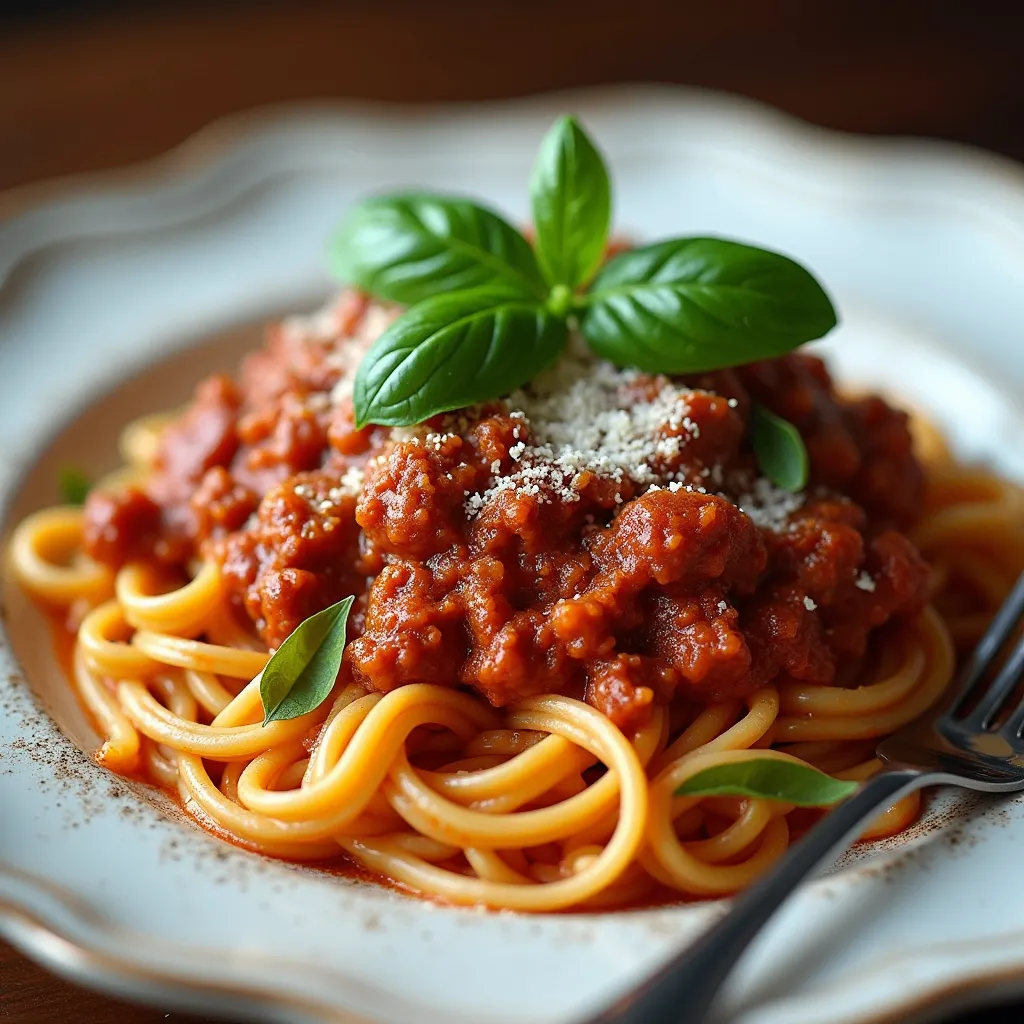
(971, 740)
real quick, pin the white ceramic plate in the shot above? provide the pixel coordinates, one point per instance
(923, 248)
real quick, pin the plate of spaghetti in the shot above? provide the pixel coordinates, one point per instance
(398, 601)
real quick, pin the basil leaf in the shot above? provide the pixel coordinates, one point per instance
(74, 486)
(302, 671)
(769, 779)
(779, 448)
(694, 304)
(572, 204)
(452, 351)
(412, 246)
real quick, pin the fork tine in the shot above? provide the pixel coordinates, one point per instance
(991, 644)
(1014, 669)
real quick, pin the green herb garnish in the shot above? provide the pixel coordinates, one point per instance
(301, 673)
(449, 350)
(769, 779)
(572, 205)
(695, 304)
(488, 312)
(74, 486)
(411, 247)
(779, 449)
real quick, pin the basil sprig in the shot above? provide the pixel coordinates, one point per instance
(488, 311)
(301, 673)
(769, 779)
(74, 485)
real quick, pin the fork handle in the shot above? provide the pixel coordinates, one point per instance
(683, 989)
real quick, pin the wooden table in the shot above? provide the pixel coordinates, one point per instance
(102, 91)
(81, 92)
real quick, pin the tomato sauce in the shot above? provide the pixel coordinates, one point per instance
(623, 594)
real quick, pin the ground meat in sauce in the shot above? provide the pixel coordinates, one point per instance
(624, 596)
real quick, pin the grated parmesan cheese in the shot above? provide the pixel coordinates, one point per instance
(332, 323)
(769, 506)
(578, 424)
(438, 441)
(865, 582)
(346, 357)
(351, 483)
(323, 324)
(809, 604)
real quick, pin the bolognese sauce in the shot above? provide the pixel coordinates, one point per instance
(602, 534)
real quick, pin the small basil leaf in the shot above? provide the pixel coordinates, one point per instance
(74, 486)
(408, 247)
(572, 204)
(452, 351)
(694, 304)
(779, 448)
(769, 779)
(302, 671)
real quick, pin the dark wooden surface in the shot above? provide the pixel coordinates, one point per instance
(88, 91)
(90, 86)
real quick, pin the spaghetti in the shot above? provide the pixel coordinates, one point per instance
(532, 801)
